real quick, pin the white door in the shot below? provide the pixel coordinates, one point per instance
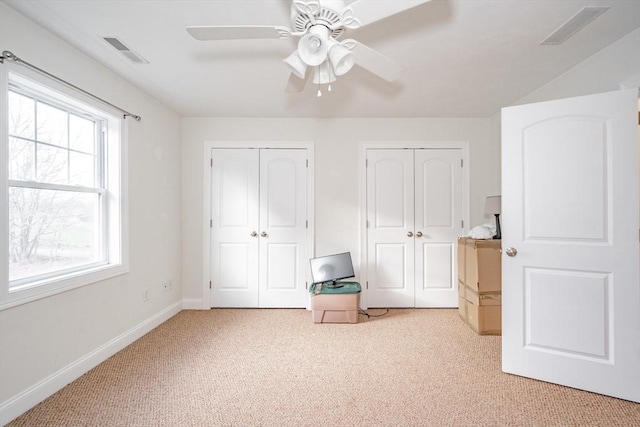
(571, 293)
(259, 243)
(284, 255)
(234, 225)
(414, 216)
(390, 220)
(438, 224)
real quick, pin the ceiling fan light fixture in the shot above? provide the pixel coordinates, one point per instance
(324, 74)
(296, 65)
(341, 58)
(314, 46)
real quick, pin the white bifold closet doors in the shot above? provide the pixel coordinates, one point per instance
(259, 239)
(414, 217)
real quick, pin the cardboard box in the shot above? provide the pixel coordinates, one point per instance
(461, 259)
(335, 308)
(483, 265)
(484, 298)
(481, 311)
(462, 307)
(484, 319)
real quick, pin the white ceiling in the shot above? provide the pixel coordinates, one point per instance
(463, 58)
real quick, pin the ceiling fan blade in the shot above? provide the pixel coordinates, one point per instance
(373, 61)
(236, 32)
(370, 11)
(296, 84)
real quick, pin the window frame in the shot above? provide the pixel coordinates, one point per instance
(114, 234)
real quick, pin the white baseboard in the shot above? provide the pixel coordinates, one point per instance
(193, 304)
(22, 402)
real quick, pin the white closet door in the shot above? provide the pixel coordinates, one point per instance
(438, 223)
(390, 217)
(234, 209)
(284, 253)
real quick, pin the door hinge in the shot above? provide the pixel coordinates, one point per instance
(367, 284)
(211, 162)
(461, 163)
(306, 225)
(462, 224)
(210, 223)
(306, 285)
(307, 162)
(209, 284)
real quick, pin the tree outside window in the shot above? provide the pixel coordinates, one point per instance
(56, 189)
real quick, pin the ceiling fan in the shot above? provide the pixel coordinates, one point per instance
(320, 24)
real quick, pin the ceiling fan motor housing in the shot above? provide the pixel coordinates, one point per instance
(328, 15)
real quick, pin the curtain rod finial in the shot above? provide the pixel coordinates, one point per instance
(8, 55)
(136, 118)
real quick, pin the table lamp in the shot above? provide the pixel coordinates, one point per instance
(492, 206)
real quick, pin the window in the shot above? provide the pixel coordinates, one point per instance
(63, 190)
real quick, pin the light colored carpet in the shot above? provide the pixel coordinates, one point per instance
(240, 367)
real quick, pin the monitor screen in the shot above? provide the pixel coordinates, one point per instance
(331, 268)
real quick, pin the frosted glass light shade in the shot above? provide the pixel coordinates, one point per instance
(314, 46)
(296, 65)
(341, 58)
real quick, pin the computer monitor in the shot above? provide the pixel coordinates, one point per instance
(329, 269)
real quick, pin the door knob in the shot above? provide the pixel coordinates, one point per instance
(409, 234)
(419, 234)
(254, 234)
(264, 234)
(511, 251)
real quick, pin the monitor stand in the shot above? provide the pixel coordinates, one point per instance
(333, 284)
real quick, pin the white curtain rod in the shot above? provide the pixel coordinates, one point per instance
(11, 57)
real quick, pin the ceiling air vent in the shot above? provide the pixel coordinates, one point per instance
(123, 49)
(575, 24)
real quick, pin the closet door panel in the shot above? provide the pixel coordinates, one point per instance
(234, 213)
(284, 253)
(438, 224)
(390, 217)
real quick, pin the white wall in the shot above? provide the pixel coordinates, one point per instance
(49, 342)
(602, 72)
(337, 173)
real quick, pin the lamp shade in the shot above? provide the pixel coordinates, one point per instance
(314, 46)
(297, 65)
(493, 205)
(341, 58)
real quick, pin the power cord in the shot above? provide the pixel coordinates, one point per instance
(364, 313)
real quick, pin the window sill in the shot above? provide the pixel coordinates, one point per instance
(57, 285)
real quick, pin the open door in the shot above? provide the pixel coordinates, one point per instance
(570, 241)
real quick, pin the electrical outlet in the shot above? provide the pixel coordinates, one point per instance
(145, 295)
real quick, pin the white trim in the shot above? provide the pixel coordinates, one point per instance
(60, 284)
(117, 233)
(4, 183)
(22, 402)
(380, 145)
(206, 200)
(193, 304)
